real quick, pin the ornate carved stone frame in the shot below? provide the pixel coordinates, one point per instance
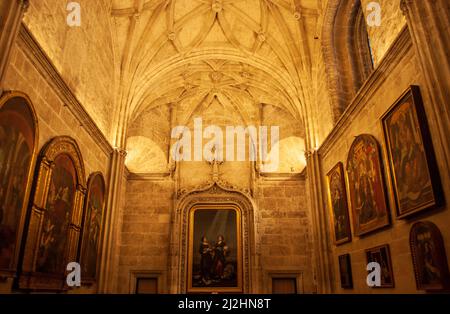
(212, 193)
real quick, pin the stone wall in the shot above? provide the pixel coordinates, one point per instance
(145, 228)
(283, 224)
(396, 72)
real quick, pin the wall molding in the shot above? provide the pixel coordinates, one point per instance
(391, 59)
(45, 67)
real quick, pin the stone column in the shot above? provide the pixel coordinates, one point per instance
(429, 25)
(11, 14)
(111, 241)
(323, 275)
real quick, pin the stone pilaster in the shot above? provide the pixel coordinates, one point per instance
(323, 275)
(111, 241)
(429, 24)
(11, 15)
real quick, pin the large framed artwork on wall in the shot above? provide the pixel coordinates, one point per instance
(55, 216)
(429, 258)
(337, 203)
(94, 208)
(368, 199)
(414, 173)
(215, 249)
(18, 145)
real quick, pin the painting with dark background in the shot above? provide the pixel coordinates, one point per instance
(429, 257)
(382, 255)
(367, 192)
(338, 204)
(95, 203)
(59, 207)
(215, 248)
(411, 155)
(17, 141)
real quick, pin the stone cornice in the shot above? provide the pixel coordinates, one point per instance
(391, 59)
(41, 61)
(160, 176)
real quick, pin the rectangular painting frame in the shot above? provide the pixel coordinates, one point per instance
(370, 253)
(191, 247)
(338, 170)
(345, 271)
(424, 183)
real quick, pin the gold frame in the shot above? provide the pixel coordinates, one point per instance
(30, 278)
(339, 166)
(239, 288)
(5, 97)
(92, 176)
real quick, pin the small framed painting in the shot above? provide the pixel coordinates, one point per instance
(429, 258)
(381, 255)
(337, 203)
(345, 271)
(414, 174)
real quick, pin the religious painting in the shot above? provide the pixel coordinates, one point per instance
(337, 202)
(429, 258)
(382, 255)
(368, 200)
(92, 227)
(345, 271)
(215, 257)
(18, 143)
(55, 216)
(415, 179)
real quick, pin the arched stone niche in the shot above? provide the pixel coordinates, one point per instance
(211, 194)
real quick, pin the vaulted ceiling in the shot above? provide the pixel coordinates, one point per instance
(225, 57)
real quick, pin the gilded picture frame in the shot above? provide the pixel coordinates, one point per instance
(413, 170)
(19, 135)
(203, 275)
(382, 255)
(93, 226)
(367, 191)
(429, 257)
(54, 217)
(338, 205)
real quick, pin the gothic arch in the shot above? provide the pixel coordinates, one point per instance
(216, 192)
(346, 52)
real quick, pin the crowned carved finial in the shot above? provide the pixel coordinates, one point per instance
(404, 6)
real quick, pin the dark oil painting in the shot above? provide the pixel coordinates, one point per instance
(429, 258)
(94, 206)
(59, 206)
(345, 271)
(382, 255)
(367, 194)
(338, 204)
(411, 156)
(215, 249)
(17, 142)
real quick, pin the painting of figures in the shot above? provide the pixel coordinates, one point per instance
(17, 149)
(215, 250)
(367, 193)
(337, 197)
(413, 170)
(52, 245)
(94, 207)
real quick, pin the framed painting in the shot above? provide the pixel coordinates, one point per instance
(94, 208)
(18, 145)
(337, 203)
(414, 173)
(55, 216)
(429, 258)
(368, 200)
(215, 249)
(382, 255)
(345, 271)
